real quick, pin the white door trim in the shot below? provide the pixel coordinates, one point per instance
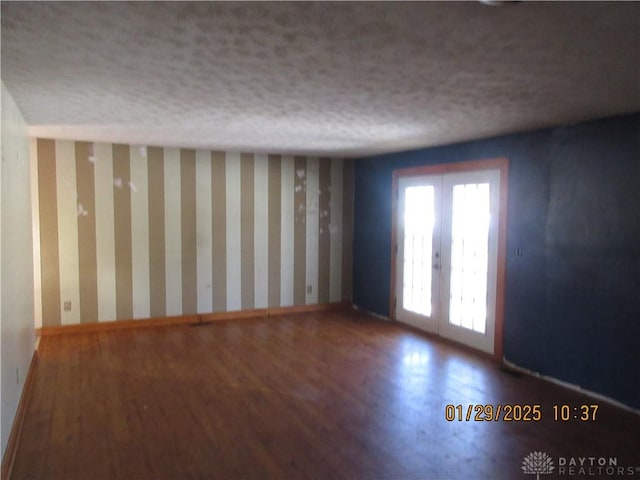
(502, 165)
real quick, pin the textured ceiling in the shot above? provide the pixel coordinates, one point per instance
(343, 79)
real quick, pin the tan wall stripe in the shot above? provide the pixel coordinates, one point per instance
(275, 166)
(157, 279)
(219, 222)
(50, 263)
(188, 224)
(246, 231)
(87, 233)
(122, 230)
(172, 231)
(347, 222)
(335, 247)
(299, 230)
(324, 240)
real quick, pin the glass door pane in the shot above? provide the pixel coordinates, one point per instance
(469, 256)
(418, 244)
(419, 220)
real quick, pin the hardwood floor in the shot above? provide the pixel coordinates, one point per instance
(324, 395)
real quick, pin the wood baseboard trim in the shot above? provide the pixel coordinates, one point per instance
(318, 307)
(272, 312)
(16, 429)
(186, 319)
(116, 325)
(239, 314)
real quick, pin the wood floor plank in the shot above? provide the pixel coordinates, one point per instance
(317, 395)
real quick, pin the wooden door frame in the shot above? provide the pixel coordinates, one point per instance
(502, 165)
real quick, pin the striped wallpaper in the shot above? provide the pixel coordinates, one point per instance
(130, 232)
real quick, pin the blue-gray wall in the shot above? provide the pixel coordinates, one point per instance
(572, 307)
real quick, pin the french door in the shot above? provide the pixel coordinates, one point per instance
(447, 254)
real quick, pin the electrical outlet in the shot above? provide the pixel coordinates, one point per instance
(309, 288)
(67, 306)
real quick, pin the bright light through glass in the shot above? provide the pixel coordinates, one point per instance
(415, 359)
(419, 219)
(469, 256)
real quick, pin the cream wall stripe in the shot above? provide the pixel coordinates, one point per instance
(48, 221)
(157, 263)
(68, 230)
(172, 231)
(287, 218)
(324, 220)
(204, 244)
(247, 278)
(233, 231)
(122, 224)
(299, 230)
(140, 232)
(188, 228)
(261, 230)
(219, 230)
(274, 205)
(312, 230)
(35, 216)
(105, 238)
(335, 229)
(86, 233)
